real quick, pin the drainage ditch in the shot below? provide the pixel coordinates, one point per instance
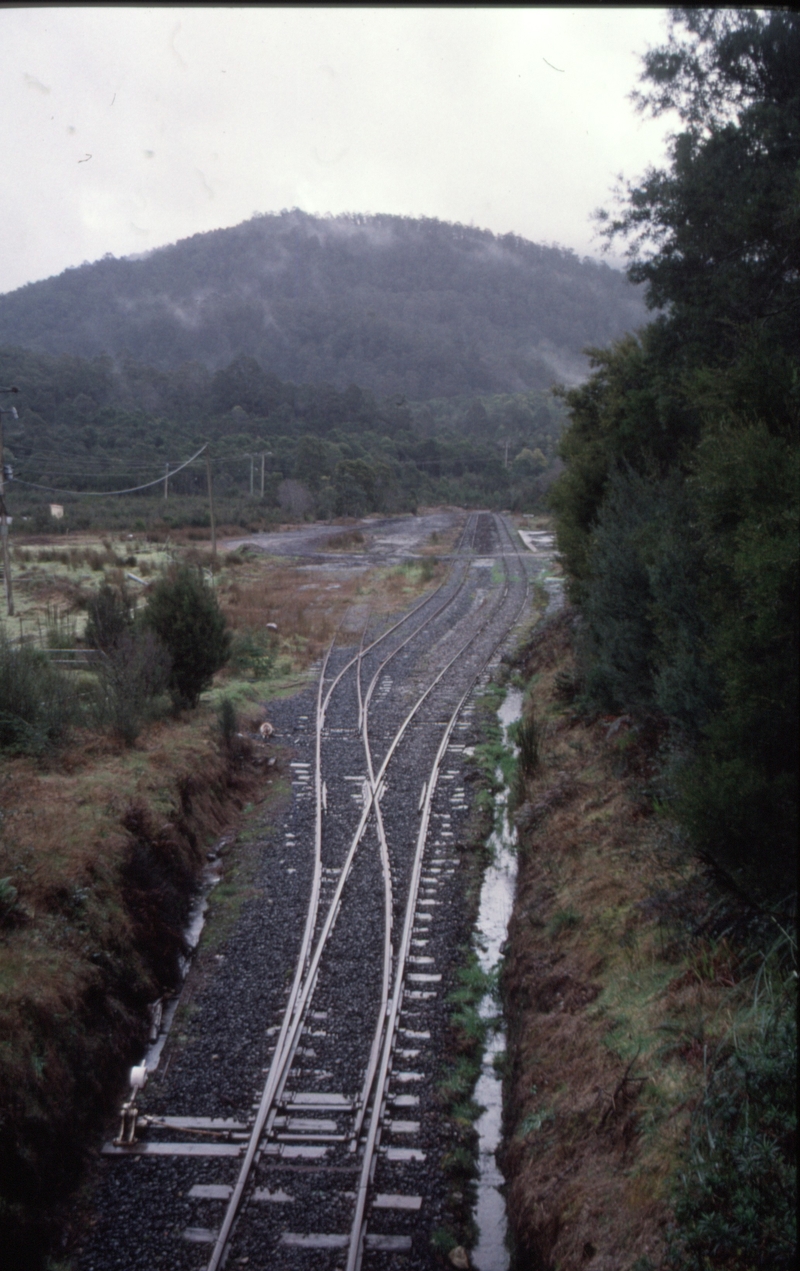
(497, 898)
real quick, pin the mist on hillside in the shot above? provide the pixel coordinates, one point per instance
(397, 305)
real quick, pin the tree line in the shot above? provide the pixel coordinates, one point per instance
(678, 509)
(678, 518)
(308, 450)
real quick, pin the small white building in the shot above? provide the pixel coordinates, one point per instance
(57, 511)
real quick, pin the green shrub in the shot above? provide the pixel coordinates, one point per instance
(132, 675)
(736, 1200)
(428, 568)
(227, 723)
(563, 920)
(253, 652)
(109, 618)
(185, 615)
(37, 703)
(8, 900)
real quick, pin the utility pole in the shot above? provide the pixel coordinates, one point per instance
(252, 461)
(263, 457)
(3, 511)
(166, 479)
(211, 510)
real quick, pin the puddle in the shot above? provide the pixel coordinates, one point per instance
(496, 903)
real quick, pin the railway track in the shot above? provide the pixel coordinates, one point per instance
(328, 1168)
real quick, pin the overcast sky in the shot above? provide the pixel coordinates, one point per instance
(127, 128)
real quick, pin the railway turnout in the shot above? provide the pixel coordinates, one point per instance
(298, 1129)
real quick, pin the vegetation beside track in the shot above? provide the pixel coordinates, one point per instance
(102, 844)
(649, 1118)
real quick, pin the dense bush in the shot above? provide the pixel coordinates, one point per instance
(132, 676)
(134, 666)
(37, 703)
(736, 1199)
(253, 652)
(679, 507)
(109, 617)
(183, 611)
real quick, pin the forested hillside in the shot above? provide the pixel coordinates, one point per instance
(95, 424)
(396, 305)
(678, 521)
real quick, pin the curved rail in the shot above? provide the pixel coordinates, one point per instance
(356, 1241)
(308, 962)
(311, 917)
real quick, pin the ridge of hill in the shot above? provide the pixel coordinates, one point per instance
(397, 305)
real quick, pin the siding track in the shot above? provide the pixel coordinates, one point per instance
(329, 1168)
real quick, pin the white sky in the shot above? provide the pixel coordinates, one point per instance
(126, 128)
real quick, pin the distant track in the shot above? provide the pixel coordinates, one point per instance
(404, 729)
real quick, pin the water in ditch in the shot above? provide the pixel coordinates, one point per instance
(497, 898)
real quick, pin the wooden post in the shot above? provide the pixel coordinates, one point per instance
(252, 461)
(7, 564)
(4, 528)
(211, 508)
(263, 457)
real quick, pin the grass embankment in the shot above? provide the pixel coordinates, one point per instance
(649, 1082)
(102, 845)
(467, 1029)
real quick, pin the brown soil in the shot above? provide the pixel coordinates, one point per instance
(610, 998)
(104, 850)
(103, 846)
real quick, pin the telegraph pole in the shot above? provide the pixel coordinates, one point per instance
(3, 510)
(211, 508)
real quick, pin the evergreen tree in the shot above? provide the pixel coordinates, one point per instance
(184, 613)
(678, 510)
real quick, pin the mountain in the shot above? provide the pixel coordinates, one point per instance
(396, 305)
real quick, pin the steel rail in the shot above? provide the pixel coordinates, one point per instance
(307, 967)
(304, 976)
(333, 909)
(335, 682)
(363, 711)
(311, 917)
(376, 784)
(363, 718)
(356, 1243)
(386, 867)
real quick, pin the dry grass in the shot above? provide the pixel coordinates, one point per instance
(308, 606)
(103, 843)
(611, 1002)
(54, 577)
(103, 848)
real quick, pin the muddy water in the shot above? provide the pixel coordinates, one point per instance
(497, 899)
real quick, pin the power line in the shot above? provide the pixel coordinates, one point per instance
(53, 489)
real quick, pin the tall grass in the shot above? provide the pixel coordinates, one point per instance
(736, 1196)
(526, 737)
